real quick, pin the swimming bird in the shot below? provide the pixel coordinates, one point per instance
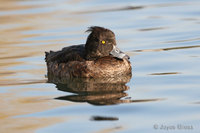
(99, 57)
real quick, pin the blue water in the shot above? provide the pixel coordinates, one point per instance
(161, 37)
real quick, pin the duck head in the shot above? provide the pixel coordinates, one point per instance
(100, 43)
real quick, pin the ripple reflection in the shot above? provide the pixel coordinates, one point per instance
(166, 49)
(167, 73)
(104, 118)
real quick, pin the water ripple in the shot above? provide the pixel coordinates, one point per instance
(166, 73)
(166, 49)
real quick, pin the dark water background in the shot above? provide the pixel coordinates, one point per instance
(161, 36)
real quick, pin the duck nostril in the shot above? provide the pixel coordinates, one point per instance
(117, 51)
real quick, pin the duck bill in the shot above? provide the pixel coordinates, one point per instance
(116, 52)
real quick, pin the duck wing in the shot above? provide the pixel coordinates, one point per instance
(71, 53)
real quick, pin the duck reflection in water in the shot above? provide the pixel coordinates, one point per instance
(96, 91)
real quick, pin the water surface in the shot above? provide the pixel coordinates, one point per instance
(162, 38)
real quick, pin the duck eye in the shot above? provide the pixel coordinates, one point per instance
(103, 42)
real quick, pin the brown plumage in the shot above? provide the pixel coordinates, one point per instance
(99, 57)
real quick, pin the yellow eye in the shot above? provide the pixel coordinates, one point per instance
(103, 42)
